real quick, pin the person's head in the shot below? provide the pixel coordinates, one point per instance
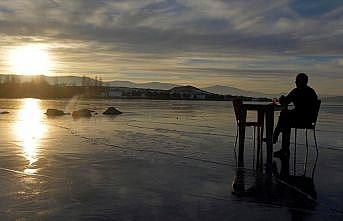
(301, 80)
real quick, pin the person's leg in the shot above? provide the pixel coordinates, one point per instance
(284, 127)
(286, 137)
(280, 125)
(290, 121)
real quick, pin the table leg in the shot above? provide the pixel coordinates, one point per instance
(269, 137)
(260, 120)
(241, 137)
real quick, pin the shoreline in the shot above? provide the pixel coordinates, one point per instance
(136, 98)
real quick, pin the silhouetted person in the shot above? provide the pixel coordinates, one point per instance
(304, 99)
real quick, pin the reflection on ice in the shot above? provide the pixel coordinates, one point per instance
(30, 171)
(29, 130)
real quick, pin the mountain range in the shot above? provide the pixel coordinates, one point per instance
(216, 89)
(77, 81)
(149, 85)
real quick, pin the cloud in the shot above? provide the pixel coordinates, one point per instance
(116, 38)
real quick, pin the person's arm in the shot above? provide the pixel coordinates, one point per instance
(285, 100)
(315, 95)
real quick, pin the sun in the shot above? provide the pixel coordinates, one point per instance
(30, 60)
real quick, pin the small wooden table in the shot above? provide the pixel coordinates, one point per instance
(266, 110)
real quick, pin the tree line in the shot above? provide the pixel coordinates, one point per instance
(12, 86)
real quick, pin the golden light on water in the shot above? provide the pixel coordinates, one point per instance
(30, 130)
(29, 60)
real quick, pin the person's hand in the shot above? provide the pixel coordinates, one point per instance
(282, 99)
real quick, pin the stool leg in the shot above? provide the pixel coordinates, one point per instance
(306, 157)
(260, 119)
(295, 151)
(235, 147)
(317, 152)
(261, 148)
(258, 147)
(236, 138)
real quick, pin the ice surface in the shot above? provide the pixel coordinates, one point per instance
(159, 160)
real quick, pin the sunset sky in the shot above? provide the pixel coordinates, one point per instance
(254, 45)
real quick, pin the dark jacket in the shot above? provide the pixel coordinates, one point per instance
(304, 100)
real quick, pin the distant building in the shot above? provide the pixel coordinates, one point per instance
(189, 92)
(183, 92)
(112, 92)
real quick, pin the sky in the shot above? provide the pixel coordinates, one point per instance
(255, 45)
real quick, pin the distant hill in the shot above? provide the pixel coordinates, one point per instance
(224, 90)
(189, 89)
(217, 89)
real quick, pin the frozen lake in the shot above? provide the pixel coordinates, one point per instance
(159, 160)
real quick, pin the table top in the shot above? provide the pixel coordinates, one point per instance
(263, 106)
